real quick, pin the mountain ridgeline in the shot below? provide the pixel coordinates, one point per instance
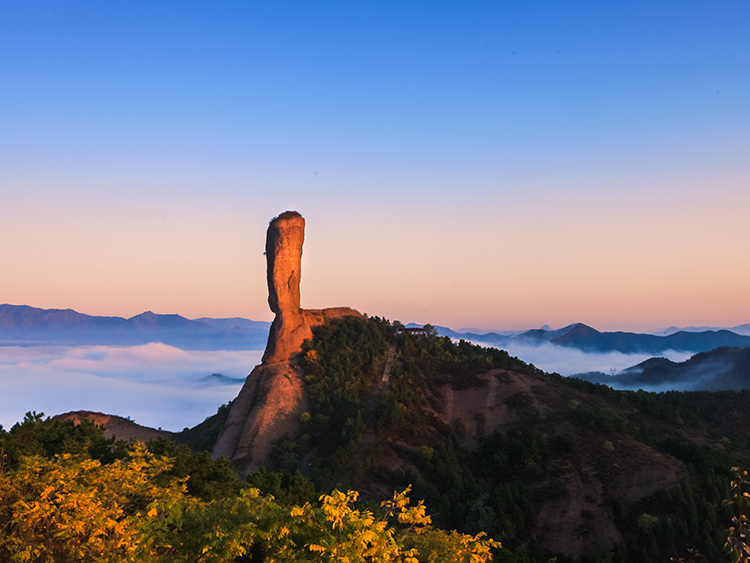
(22, 325)
(587, 339)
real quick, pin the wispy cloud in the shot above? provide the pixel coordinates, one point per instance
(155, 384)
(569, 361)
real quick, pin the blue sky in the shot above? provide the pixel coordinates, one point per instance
(491, 164)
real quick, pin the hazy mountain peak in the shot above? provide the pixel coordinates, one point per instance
(582, 329)
(144, 315)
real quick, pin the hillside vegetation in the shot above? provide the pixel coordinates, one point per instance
(69, 495)
(548, 465)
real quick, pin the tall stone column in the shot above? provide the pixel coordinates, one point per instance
(269, 404)
(284, 239)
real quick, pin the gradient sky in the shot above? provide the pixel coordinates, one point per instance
(472, 164)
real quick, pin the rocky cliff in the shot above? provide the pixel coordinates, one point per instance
(269, 404)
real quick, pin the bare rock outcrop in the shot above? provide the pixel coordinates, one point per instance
(267, 408)
(116, 427)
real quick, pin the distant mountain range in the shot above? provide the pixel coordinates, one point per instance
(22, 325)
(582, 337)
(718, 369)
(25, 325)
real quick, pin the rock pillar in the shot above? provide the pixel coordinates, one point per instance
(284, 240)
(269, 404)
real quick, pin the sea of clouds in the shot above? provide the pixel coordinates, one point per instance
(165, 387)
(570, 361)
(154, 384)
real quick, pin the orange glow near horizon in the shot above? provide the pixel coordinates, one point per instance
(554, 267)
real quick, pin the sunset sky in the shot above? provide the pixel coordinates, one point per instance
(498, 165)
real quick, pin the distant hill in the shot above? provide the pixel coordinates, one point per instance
(117, 427)
(718, 369)
(25, 325)
(743, 329)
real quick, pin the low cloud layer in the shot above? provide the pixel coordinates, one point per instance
(165, 387)
(569, 361)
(155, 384)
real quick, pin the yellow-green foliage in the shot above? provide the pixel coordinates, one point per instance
(737, 544)
(71, 508)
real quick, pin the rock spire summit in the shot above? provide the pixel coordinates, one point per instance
(284, 239)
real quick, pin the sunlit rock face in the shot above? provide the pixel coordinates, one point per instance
(269, 404)
(284, 240)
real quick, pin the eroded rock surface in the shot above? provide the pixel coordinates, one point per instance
(269, 404)
(284, 240)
